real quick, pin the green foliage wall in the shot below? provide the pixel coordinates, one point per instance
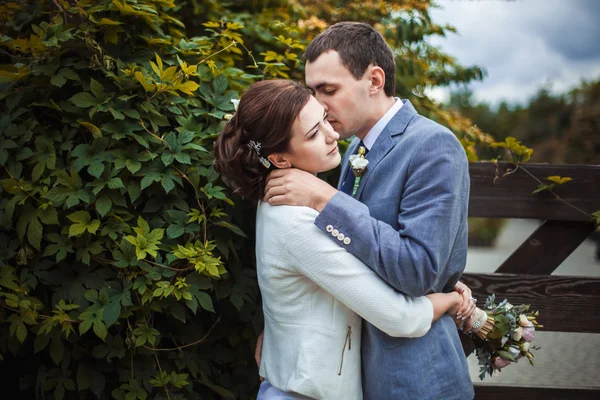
(116, 231)
(126, 267)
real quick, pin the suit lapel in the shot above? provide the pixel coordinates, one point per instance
(384, 142)
(345, 164)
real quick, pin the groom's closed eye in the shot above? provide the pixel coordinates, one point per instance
(326, 88)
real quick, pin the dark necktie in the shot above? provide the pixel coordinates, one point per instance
(348, 183)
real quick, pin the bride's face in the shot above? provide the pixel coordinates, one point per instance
(313, 146)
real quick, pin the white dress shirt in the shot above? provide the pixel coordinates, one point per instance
(376, 130)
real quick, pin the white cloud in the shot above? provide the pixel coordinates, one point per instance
(522, 45)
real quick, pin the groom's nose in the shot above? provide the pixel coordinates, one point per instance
(321, 99)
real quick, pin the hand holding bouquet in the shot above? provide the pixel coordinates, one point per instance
(502, 334)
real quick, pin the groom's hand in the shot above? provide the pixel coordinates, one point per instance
(295, 187)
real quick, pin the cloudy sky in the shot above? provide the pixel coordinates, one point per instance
(523, 44)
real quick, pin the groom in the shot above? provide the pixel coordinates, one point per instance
(408, 219)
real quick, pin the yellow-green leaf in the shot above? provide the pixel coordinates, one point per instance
(82, 222)
(211, 24)
(159, 62)
(168, 74)
(108, 21)
(558, 179)
(188, 87)
(94, 130)
(148, 87)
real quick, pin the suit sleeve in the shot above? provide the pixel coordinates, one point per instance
(355, 285)
(433, 209)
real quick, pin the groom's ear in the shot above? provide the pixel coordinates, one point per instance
(377, 79)
(279, 160)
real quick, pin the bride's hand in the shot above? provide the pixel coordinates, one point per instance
(463, 317)
(294, 187)
(258, 351)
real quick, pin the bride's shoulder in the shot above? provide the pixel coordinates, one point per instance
(287, 214)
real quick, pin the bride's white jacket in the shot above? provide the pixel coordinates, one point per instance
(314, 294)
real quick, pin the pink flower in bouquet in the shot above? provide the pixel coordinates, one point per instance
(523, 321)
(517, 333)
(500, 363)
(528, 333)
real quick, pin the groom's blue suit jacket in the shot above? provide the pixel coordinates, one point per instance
(408, 223)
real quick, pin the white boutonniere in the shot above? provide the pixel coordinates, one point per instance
(358, 163)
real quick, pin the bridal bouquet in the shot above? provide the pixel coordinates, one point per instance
(502, 334)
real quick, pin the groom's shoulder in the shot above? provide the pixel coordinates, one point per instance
(426, 126)
(422, 130)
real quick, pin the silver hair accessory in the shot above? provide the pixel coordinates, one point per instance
(256, 146)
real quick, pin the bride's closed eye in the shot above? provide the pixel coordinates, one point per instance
(312, 136)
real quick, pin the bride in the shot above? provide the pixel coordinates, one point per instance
(315, 293)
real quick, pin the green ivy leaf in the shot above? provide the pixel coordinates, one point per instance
(30, 223)
(146, 241)
(84, 100)
(92, 319)
(84, 378)
(112, 310)
(133, 166)
(149, 179)
(542, 188)
(84, 252)
(58, 80)
(40, 343)
(125, 256)
(96, 88)
(203, 298)
(57, 349)
(96, 168)
(220, 84)
(17, 327)
(83, 222)
(48, 214)
(596, 217)
(103, 205)
(231, 227)
(144, 334)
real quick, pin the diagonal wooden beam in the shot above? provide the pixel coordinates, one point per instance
(547, 247)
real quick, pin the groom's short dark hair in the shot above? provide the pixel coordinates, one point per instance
(358, 45)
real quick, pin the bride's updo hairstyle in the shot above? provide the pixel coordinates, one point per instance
(264, 116)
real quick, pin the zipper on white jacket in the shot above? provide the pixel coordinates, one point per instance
(349, 341)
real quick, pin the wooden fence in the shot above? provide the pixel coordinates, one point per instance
(566, 303)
